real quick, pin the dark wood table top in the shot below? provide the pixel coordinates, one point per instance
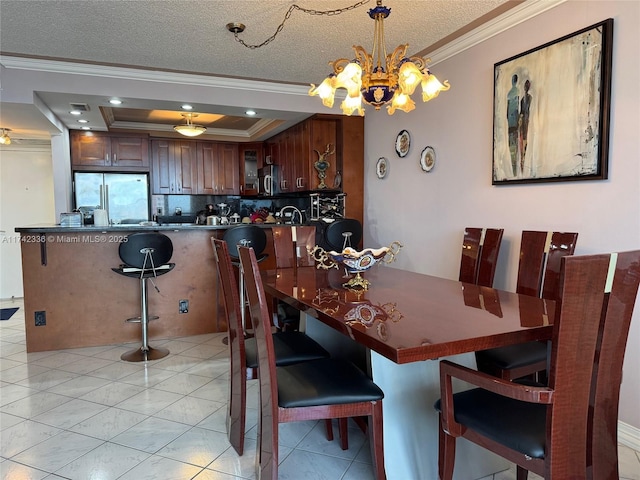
(407, 317)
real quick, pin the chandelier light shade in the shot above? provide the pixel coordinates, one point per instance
(190, 129)
(5, 139)
(379, 79)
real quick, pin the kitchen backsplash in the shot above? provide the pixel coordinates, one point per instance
(192, 204)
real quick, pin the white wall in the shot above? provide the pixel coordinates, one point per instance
(26, 198)
(427, 212)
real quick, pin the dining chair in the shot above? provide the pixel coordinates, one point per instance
(541, 255)
(248, 235)
(314, 390)
(568, 428)
(291, 246)
(290, 347)
(480, 249)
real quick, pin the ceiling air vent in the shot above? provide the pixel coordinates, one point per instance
(80, 107)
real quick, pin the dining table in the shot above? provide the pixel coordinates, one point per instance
(405, 322)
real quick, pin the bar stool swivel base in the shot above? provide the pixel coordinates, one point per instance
(141, 355)
(144, 353)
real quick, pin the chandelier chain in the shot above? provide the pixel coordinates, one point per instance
(309, 11)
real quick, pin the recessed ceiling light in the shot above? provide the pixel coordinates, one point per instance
(86, 128)
(75, 112)
(82, 120)
(115, 101)
(250, 112)
(186, 106)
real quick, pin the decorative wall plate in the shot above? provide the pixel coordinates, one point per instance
(403, 143)
(382, 167)
(427, 159)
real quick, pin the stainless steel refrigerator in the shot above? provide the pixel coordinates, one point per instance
(125, 196)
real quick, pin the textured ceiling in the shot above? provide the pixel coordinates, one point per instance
(190, 35)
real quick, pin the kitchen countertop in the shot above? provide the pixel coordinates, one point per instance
(55, 228)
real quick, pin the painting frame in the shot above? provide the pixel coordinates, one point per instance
(551, 110)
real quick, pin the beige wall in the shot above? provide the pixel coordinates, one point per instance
(26, 197)
(428, 211)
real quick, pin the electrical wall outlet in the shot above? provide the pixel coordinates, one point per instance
(40, 318)
(183, 306)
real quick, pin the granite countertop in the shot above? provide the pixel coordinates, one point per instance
(55, 228)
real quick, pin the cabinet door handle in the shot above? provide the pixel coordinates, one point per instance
(115, 159)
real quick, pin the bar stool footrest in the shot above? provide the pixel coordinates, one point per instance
(138, 319)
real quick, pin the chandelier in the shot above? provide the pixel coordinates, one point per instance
(377, 78)
(5, 139)
(190, 129)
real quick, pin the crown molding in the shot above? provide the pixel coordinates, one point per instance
(512, 17)
(122, 73)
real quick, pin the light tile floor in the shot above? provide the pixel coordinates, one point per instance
(84, 414)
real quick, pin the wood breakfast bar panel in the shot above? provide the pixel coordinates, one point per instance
(86, 303)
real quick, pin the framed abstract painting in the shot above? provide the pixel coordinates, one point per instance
(551, 110)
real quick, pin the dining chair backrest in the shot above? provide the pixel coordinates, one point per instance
(268, 382)
(470, 255)
(236, 340)
(605, 392)
(540, 258)
(284, 249)
(480, 249)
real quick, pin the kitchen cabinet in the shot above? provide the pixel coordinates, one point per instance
(174, 167)
(250, 159)
(298, 148)
(106, 152)
(218, 169)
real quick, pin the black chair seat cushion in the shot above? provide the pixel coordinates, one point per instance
(513, 356)
(518, 425)
(324, 382)
(289, 347)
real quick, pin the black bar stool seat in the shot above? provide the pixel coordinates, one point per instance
(145, 256)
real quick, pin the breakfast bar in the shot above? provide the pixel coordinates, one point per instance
(73, 298)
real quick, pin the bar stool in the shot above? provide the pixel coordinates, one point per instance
(145, 256)
(246, 236)
(342, 233)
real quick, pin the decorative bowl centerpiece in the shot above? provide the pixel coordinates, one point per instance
(356, 262)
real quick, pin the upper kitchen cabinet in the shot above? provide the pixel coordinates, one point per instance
(218, 169)
(174, 167)
(107, 152)
(251, 158)
(297, 149)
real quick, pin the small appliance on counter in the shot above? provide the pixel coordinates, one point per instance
(87, 214)
(71, 219)
(202, 217)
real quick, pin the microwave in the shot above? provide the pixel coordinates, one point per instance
(269, 180)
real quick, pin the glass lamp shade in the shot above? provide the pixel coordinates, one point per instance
(5, 139)
(190, 130)
(431, 87)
